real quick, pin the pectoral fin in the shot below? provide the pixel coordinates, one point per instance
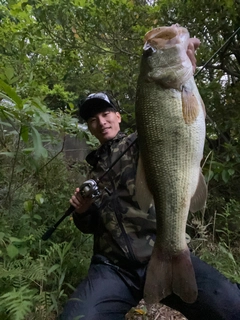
(143, 194)
(190, 106)
(199, 198)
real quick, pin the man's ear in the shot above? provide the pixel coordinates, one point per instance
(119, 117)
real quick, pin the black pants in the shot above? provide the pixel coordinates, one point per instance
(109, 292)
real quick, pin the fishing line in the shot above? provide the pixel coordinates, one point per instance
(209, 60)
(204, 66)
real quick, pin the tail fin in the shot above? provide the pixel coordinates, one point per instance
(168, 274)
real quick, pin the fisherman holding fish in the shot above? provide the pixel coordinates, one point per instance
(140, 249)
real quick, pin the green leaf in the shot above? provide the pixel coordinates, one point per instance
(11, 93)
(13, 80)
(225, 176)
(39, 198)
(27, 150)
(80, 3)
(28, 205)
(39, 150)
(62, 279)
(24, 133)
(71, 106)
(53, 268)
(44, 153)
(231, 171)
(37, 141)
(12, 251)
(9, 72)
(8, 154)
(7, 124)
(18, 302)
(25, 216)
(16, 240)
(23, 251)
(37, 217)
(37, 103)
(209, 175)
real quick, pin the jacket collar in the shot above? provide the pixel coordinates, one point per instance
(93, 157)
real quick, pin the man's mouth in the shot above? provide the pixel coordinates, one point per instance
(105, 130)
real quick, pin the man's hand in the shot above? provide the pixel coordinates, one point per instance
(193, 44)
(81, 204)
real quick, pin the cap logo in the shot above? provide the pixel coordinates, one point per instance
(99, 95)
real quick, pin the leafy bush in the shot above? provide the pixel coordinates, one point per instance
(216, 241)
(36, 277)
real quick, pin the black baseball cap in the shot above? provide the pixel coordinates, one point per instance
(95, 103)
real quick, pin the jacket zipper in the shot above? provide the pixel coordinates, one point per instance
(130, 250)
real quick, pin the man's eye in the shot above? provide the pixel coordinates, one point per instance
(106, 113)
(92, 120)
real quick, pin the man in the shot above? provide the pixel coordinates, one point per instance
(124, 235)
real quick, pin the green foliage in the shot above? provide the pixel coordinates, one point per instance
(59, 51)
(18, 302)
(35, 276)
(223, 259)
(226, 224)
(217, 242)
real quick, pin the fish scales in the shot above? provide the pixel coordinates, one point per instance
(171, 140)
(167, 153)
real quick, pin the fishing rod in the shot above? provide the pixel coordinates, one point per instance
(205, 65)
(210, 59)
(89, 189)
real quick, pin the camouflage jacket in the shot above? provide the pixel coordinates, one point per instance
(122, 232)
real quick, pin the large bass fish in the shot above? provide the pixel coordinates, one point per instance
(170, 117)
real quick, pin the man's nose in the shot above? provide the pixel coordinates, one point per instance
(101, 120)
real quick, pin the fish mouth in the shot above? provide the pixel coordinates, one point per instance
(164, 37)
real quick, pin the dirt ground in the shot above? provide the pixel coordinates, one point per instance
(154, 312)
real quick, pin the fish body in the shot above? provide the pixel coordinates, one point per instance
(170, 117)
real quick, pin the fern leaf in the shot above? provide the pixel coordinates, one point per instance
(18, 302)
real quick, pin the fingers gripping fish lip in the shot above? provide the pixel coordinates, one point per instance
(165, 51)
(164, 37)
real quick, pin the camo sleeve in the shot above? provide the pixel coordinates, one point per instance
(86, 222)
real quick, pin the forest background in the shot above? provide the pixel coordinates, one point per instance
(52, 54)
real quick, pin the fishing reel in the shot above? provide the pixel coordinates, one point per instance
(89, 189)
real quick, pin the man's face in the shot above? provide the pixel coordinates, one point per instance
(104, 125)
